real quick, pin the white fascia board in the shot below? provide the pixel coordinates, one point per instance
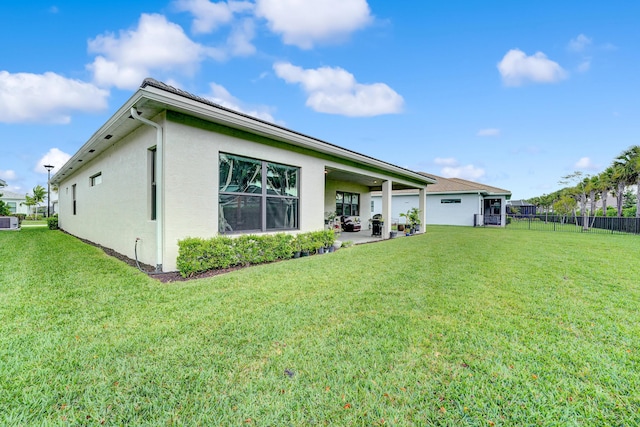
(97, 139)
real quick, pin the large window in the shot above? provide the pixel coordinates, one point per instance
(12, 207)
(255, 195)
(347, 203)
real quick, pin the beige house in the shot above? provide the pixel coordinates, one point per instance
(170, 165)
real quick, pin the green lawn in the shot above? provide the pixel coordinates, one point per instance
(460, 326)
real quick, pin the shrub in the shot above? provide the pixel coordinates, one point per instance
(52, 222)
(197, 255)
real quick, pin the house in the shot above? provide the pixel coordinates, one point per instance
(453, 201)
(15, 202)
(520, 207)
(170, 165)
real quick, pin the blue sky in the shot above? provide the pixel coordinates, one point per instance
(510, 94)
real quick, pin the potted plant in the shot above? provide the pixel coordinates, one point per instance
(328, 238)
(412, 223)
(302, 244)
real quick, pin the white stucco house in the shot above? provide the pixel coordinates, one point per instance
(452, 201)
(15, 202)
(170, 165)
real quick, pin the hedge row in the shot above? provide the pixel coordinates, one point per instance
(197, 255)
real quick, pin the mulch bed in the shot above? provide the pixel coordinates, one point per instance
(168, 277)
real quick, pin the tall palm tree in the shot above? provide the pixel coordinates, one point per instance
(606, 185)
(627, 171)
(593, 188)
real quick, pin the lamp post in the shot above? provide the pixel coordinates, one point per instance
(48, 168)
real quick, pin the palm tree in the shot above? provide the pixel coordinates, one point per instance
(606, 185)
(593, 188)
(627, 171)
(39, 194)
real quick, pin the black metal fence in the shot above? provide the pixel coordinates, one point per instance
(570, 223)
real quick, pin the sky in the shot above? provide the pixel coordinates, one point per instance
(511, 94)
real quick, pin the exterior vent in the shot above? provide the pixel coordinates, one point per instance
(9, 223)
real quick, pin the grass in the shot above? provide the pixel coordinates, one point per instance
(460, 326)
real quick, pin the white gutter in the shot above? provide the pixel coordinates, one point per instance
(159, 187)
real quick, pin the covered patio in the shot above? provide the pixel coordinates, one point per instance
(348, 194)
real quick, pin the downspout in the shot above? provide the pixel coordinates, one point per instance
(159, 187)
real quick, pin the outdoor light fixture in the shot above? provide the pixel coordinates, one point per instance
(48, 168)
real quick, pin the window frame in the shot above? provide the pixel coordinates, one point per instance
(340, 211)
(265, 196)
(95, 179)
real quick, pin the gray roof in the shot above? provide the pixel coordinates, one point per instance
(2, 183)
(12, 195)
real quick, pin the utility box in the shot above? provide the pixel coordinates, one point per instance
(9, 223)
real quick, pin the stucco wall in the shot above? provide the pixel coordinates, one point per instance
(399, 204)
(453, 213)
(331, 187)
(117, 211)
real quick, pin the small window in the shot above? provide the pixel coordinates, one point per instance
(73, 197)
(12, 207)
(153, 189)
(450, 200)
(96, 179)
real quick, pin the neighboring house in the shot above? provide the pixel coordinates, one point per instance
(170, 165)
(453, 201)
(15, 202)
(520, 207)
(2, 183)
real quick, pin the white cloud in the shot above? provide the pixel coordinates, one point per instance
(336, 91)
(208, 16)
(304, 23)
(155, 45)
(451, 168)
(447, 161)
(221, 96)
(46, 98)
(585, 65)
(579, 44)
(54, 157)
(469, 172)
(585, 163)
(488, 132)
(7, 175)
(239, 41)
(516, 68)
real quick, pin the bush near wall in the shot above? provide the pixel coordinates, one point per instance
(197, 255)
(52, 222)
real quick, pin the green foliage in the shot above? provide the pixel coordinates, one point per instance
(197, 255)
(52, 222)
(629, 212)
(412, 216)
(4, 208)
(611, 211)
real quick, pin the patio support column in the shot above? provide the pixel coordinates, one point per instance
(503, 211)
(422, 206)
(386, 207)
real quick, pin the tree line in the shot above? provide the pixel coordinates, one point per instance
(582, 191)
